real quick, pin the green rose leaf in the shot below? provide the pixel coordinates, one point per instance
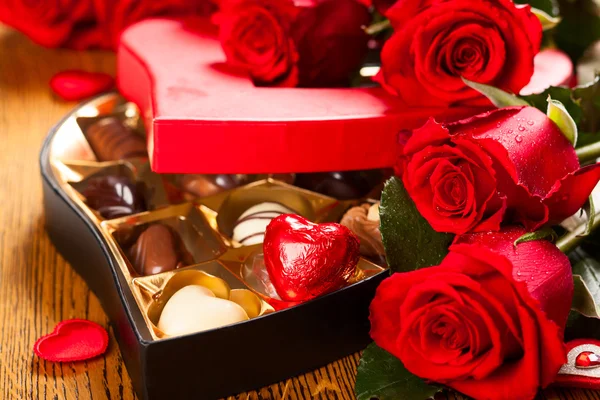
(548, 21)
(562, 94)
(382, 376)
(410, 242)
(588, 97)
(548, 6)
(579, 27)
(546, 233)
(586, 298)
(498, 97)
(590, 211)
(561, 117)
(378, 27)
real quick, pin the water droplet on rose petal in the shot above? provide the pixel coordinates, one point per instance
(530, 123)
(518, 138)
(521, 128)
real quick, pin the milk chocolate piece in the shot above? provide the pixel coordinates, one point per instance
(208, 185)
(364, 222)
(111, 140)
(159, 249)
(287, 178)
(341, 185)
(114, 196)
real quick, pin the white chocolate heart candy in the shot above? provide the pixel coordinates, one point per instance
(251, 225)
(195, 308)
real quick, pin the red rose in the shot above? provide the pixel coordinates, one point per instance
(507, 165)
(255, 36)
(487, 322)
(48, 23)
(436, 42)
(331, 41)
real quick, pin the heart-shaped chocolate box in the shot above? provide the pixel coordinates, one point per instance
(270, 347)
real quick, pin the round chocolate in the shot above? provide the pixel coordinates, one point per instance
(114, 196)
(159, 249)
(341, 185)
(208, 185)
(111, 140)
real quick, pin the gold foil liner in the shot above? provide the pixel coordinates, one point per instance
(153, 292)
(205, 226)
(226, 207)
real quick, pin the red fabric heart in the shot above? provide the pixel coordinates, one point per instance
(72, 340)
(571, 376)
(77, 85)
(305, 260)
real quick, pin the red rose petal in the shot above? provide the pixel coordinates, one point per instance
(72, 340)
(552, 68)
(571, 193)
(78, 85)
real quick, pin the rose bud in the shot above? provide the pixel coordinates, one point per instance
(255, 37)
(508, 165)
(487, 322)
(331, 42)
(435, 43)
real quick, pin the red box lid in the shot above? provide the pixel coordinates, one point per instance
(202, 117)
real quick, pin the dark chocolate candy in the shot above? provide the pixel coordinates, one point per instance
(114, 196)
(341, 185)
(111, 140)
(207, 185)
(159, 249)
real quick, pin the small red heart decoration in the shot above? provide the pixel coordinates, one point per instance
(587, 359)
(305, 260)
(72, 340)
(78, 85)
(582, 367)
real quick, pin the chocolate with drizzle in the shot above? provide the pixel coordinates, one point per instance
(111, 140)
(257, 221)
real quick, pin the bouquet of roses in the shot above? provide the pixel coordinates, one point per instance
(481, 289)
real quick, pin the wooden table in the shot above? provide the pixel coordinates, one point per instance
(38, 288)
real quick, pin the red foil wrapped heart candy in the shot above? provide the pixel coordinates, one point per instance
(305, 260)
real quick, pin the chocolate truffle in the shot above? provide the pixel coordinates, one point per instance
(159, 249)
(111, 140)
(207, 185)
(114, 196)
(250, 227)
(195, 308)
(364, 222)
(341, 185)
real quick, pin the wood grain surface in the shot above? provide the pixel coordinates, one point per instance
(38, 288)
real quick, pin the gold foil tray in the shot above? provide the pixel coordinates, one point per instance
(205, 226)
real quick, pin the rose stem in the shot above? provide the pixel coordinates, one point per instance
(571, 240)
(588, 153)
